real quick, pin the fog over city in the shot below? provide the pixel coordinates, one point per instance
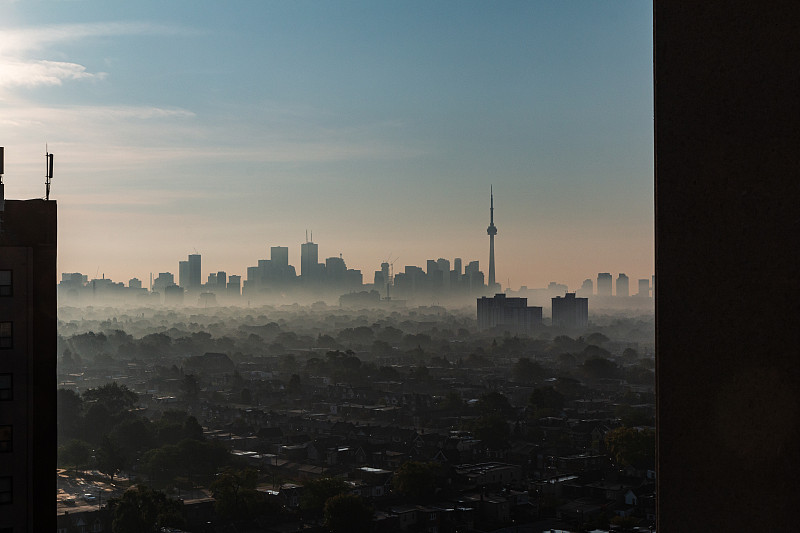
(329, 266)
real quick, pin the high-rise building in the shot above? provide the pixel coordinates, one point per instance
(644, 288)
(279, 255)
(309, 259)
(135, 283)
(586, 290)
(491, 231)
(510, 314)
(604, 281)
(183, 274)
(28, 230)
(623, 285)
(457, 266)
(194, 272)
(569, 311)
(234, 285)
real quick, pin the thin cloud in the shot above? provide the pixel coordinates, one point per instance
(18, 69)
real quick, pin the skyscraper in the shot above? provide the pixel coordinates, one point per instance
(569, 311)
(309, 258)
(604, 284)
(28, 230)
(279, 255)
(183, 274)
(194, 272)
(492, 231)
(623, 285)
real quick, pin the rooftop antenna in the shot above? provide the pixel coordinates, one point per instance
(306, 235)
(49, 172)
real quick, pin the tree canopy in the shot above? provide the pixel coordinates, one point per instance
(347, 513)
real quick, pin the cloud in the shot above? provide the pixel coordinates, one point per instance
(34, 73)
(18, 67)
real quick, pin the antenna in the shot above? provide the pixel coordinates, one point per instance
(48, 172)
(306, 235)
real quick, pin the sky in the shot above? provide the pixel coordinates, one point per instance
(224, 128)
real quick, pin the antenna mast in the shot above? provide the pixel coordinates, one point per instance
(48, 172)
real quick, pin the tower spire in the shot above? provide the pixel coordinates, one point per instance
(491, 231)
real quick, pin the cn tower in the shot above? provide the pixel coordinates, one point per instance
(492, 231)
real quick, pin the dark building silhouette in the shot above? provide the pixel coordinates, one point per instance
(492, 231)
(604, 281)
(586, 290)
(279, 255)
(623, 285)
(644, 288)
(309, 260)
(27, 363)
(194, 272)
(183, 274)
(570, 312)
(511, 314)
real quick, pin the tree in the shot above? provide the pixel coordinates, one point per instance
(546, 401)
(599, 368)
(116, 398)
(495, 403)
(416, 480)
(632, 447)
(492, 430)
(75, 453)
(110, 458)
(190, 388)
(525, 370)
(69, 409)
(143, 510)
(236, 495)
(347, 513)
(316, 492)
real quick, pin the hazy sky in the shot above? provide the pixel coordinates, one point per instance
(229, 127)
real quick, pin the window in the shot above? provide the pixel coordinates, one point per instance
(6, 392)
(5, 439)
(5, 288)
(6, 340)
(5, 490)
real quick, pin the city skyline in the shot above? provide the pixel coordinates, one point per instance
(380, 127)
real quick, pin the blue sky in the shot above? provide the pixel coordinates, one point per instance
(230, 127)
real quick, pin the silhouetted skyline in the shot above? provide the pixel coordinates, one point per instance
(377, 124)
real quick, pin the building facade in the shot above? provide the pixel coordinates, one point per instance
(570, 311)
(510, 314)
(27, 364)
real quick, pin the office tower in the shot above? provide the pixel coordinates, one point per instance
(183, 274)
(222, 280)
(491, 231)
(586, 290)
(135, 283)
(164, 280)
(212, 280)
(604, 281)
(623, 285)
(194, 272)
(279, 255)
(309, 259)
(444, 268)
(235, 285)
(510, 314)
(335, 270)
(569, 311)
(27, 363)
(473, 276)
(644, 288)
(457, 265)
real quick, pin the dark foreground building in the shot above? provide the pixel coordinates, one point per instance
(27, 364)
(570, 312)
(510, 314)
